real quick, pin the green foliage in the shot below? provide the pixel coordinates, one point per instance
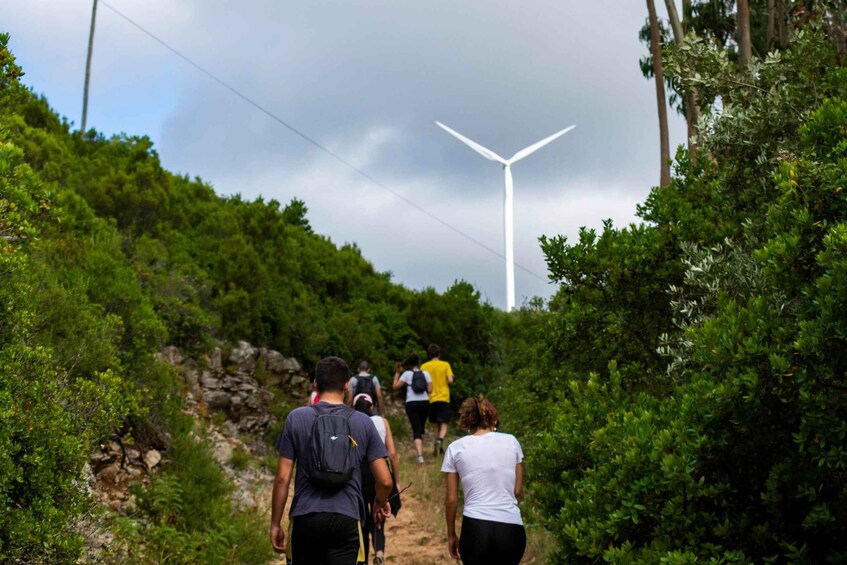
(240, 459)
(731, 447)
(49, 414)
(188, 513)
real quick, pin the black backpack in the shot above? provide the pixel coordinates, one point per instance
(366, 385)
(418, 382)
(333, 449)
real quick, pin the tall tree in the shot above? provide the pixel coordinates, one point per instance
(745, 45)
(659, 75)
(771, 23)
(692, 110)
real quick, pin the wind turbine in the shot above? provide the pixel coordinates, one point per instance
(508, 201)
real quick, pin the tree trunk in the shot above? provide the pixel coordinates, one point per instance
(692, 110)
(659, 75)
(771, 24)
(676, 23)
(782, 27)
(742, 25)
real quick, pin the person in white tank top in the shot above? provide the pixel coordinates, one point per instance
(364, 403)
(381, 426)
(489, 466)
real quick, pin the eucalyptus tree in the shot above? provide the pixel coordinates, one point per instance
(658, 74)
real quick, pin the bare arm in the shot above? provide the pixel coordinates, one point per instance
(519, 481)
(429, 387)
(392, 453)
(348, 397)
(397, 382)
(280, 496)
(451, 503)
(379, 402)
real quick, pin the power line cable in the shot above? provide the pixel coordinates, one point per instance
(307, 138)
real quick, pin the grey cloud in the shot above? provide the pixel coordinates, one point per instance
(504, 73)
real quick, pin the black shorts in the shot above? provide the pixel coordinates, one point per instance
(439, 412)
(483, 542)
(324, 538)
(417, 411)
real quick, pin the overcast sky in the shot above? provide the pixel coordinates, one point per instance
(368, 79)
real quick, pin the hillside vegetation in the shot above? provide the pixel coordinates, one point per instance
(106, 257)
(681, 399)
(684, 395)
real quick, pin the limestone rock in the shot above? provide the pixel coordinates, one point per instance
(298, 381)
(280, 365)
(215, 364)
(209, 382)
(216, 400)
(152, 458)
(243, 357)
(172, 355)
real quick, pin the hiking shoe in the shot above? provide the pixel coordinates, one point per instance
(379, 561)
(419, 459)
(441, 446)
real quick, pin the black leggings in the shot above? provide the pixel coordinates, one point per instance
(369, 529)
(417, 411)
(484, 542)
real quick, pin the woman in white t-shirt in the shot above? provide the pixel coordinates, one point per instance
(417, 397)
(488, 464)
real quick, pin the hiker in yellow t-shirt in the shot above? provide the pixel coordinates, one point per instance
(439, 400)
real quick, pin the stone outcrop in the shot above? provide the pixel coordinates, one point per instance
(243, 357)
(239, 384)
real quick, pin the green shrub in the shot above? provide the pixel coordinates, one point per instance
(190, 513)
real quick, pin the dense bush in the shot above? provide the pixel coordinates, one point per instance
(50, 413)
(733, 446)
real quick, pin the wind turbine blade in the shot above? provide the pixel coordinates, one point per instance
(487, 153)
(536, 146)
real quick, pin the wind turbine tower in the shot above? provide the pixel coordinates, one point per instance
(508, 200)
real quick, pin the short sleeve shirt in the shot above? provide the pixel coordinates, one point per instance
(412, 396)
(439, 371)
(486, 467)
(353, 381)
(294, 443)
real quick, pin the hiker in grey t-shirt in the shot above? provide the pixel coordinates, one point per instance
(365, 382)
(326, 522)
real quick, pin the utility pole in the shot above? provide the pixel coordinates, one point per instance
(88, 67)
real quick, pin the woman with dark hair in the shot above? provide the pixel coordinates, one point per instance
(364, 403)
(419, 386)
(488, 464)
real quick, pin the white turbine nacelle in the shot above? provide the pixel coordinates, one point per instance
(508, 201)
